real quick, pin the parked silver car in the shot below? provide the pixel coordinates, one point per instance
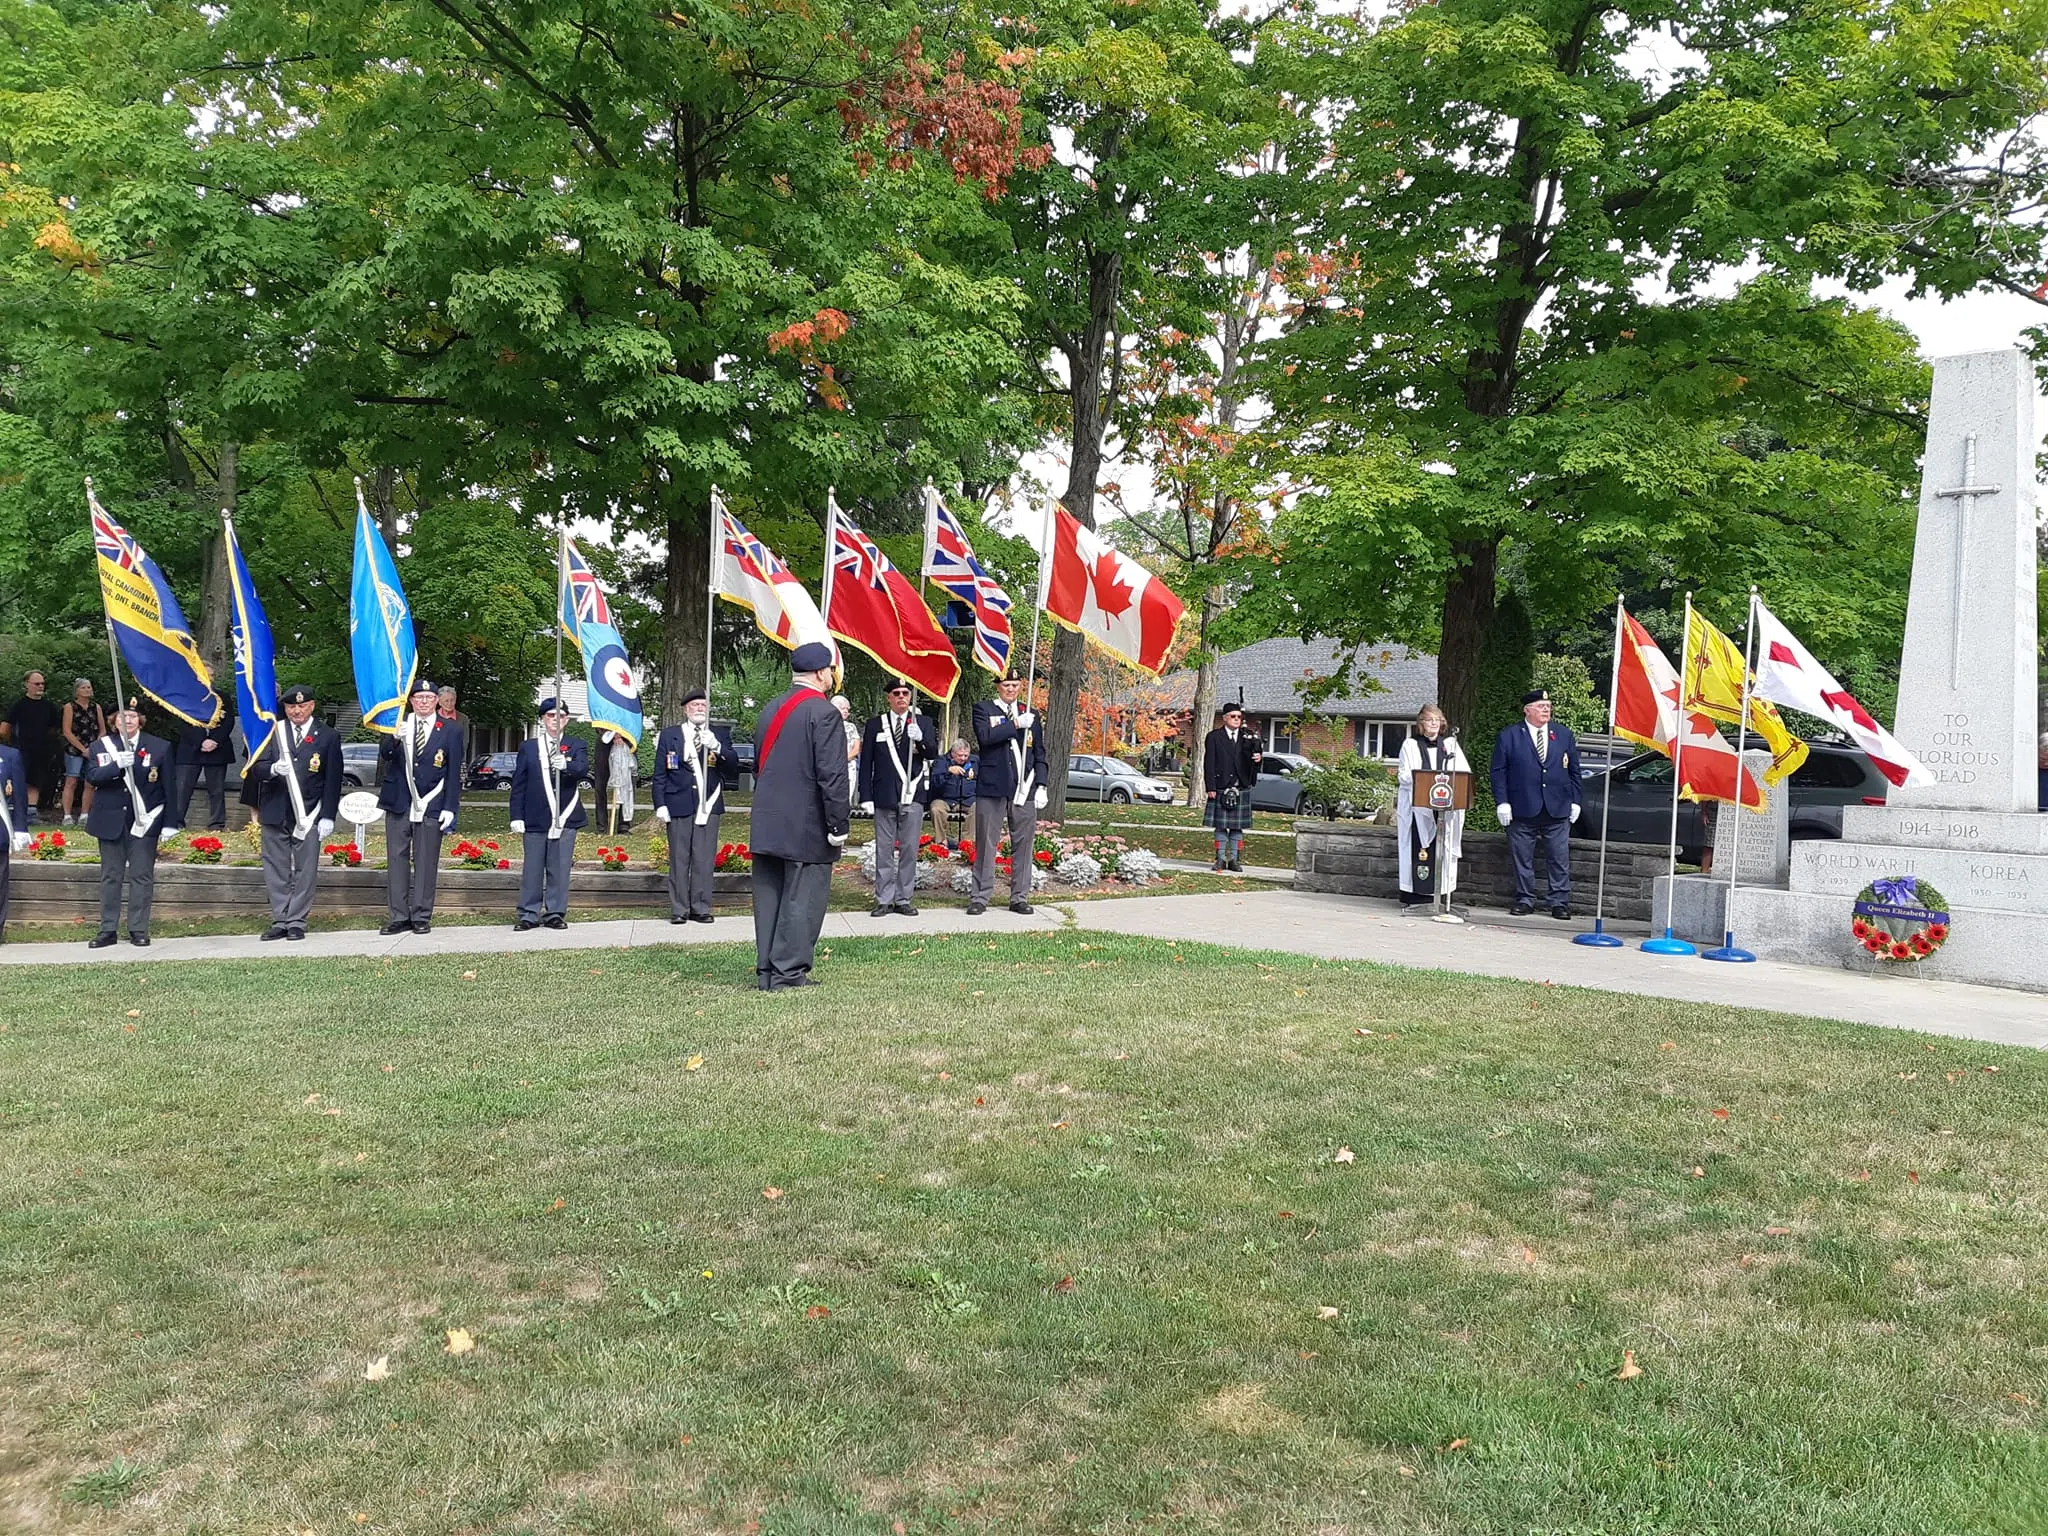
(1107, 778)
(360, 764)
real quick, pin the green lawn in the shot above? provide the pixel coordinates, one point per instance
(1060, 1241)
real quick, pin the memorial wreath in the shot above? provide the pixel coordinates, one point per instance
(1902, 918)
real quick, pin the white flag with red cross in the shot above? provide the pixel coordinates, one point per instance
(1787, 674)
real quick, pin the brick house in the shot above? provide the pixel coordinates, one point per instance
(1371, 717)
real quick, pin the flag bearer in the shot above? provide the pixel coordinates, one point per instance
(420, 790)
(294, 784)
(692, 762)
(131, 816)
(896, 753)
(547, 813)
(1009, 791)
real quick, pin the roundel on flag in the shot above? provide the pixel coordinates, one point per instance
(613, 679)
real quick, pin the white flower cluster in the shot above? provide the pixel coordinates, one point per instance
(963, 880)
(867, 862)
(1140, 866)
(1078, 869)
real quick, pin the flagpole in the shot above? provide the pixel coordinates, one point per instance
(1728, 950)
(1599, 938)
(1038, 607)
(924, 583)
(1668, 945)
(825, 583)
(561, 592)
(717, 516)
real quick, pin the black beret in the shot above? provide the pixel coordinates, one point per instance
(1536, 696)
(811, 656)
(423, 685)
(298, 693)
(550, 704)
(693, 696)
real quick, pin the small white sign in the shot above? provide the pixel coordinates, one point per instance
(360, 807)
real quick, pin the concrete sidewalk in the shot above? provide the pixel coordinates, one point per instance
(1327, 927)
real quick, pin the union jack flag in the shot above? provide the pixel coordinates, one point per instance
(853, 555)
(949, 561)
(586, 597)
(112, 541)
(755, 558)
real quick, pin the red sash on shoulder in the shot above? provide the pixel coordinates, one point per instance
(769, 736)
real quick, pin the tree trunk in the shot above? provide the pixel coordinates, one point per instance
(686, 599)
(384, 505)
(215, 597)
(1203, 711)
(1467, 618)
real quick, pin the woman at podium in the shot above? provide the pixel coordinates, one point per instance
(1427, 753)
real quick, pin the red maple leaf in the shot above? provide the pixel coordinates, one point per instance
(1111, 595)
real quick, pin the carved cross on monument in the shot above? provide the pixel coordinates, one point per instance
(1963, 494)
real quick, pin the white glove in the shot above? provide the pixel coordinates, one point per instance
(661, 814)
(124, 759)
(325, 828)
(1574, 813)
(21, 842)
(836, 839)
(280, 768)
(1038, 797)
(166, 835)
(916, 731)
(1024, 718)
(519, 827)
(867, 807)
(447, 820)
(1504, 813)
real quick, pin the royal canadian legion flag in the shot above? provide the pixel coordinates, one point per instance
(1787, 674)
(1646, 711)
(1109, 597)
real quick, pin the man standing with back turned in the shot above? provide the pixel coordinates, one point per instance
(801, 814)
(1536, 795)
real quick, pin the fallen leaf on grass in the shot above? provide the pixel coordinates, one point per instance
(1629, 1369)
(771, 1193)
(1698, 1172)
(1287, 1215)
(1344, 1155)
(1907, 1077)
(1528, 1254)
(469, 975)
(2020, 1397)
(1720, 1114)
(459, 1342)
(979, 1100)
(1668, 1045)
(1064, 1286)
(1777, 1231)
(134, 1013)
(1326, 1314)
(1059, 1125)
(559, 1203)
(1912, 1175)
(978, 992)
(378, 1369)
(1745, 1261)
(1863, 1176)
(330, 1111)
(1405, 1471)
(1458, 1444)
(1361, 1031)
(312, 1098)
(945, 1077)
(693, 1064)
(816, 1311)
(387, 1066)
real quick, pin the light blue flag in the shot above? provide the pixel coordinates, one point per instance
(379, 628)
(255, 665)
(614, 693)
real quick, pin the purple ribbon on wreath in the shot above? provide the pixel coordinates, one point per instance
(1902, 891)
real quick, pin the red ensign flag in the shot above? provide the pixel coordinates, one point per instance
(1108, 597)
(874, 606)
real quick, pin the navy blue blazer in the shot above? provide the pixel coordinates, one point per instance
(113, 813)
(14, 790)
(192, 737)
(800, 785)
(438, 765)
(878, 781)
(995, 775)
(318, 761)
(530, 799)
(1532, 788)
(675, 782)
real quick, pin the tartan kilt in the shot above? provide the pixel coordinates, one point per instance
(1225, 818)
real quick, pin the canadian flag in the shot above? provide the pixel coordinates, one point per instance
(1646, 711)
(1108, 597)
(1787, 674)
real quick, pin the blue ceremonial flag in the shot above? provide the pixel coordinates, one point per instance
(255, 665)
(587, 619)
(379, 628)
(157, 643)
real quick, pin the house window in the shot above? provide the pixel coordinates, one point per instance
(1281, 736)
(1381, 738)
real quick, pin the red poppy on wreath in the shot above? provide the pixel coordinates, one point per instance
(1860, 928)
(1875, 944)
(1900, 950)
(1920, 944)
(1937, 931)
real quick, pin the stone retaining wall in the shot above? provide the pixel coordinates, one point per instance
(52, 891)
(1356, 858)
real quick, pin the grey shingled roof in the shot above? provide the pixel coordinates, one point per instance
(1270, 671)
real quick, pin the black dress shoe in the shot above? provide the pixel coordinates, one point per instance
(274, 932)
(700, 917)
(1521, 909)
(679, 920)
(139, 940)
(525, 925)
(102, 940)
(557, 921)
(1561, 912)
(1022, 908)
(422, 927)
(879, 910)
(907, 908)
(390, 928)
(295, 934)
(976, 908)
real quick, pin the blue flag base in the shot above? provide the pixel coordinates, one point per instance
(1667, 945)
(1729, 952)
(1599, 938)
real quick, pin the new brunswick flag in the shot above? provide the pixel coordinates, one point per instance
(1715, 678)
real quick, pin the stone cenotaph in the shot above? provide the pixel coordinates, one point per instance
(1968, 709)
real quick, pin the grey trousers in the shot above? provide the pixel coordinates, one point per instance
(691, 849)
(991, 819)
(130, 862)
(413, 865)
(544, 877)
(789, 913)
(897, 829)
(290, 866)
(6, 871)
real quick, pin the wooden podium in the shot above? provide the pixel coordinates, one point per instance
(1450, 790)
(1444, 791)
